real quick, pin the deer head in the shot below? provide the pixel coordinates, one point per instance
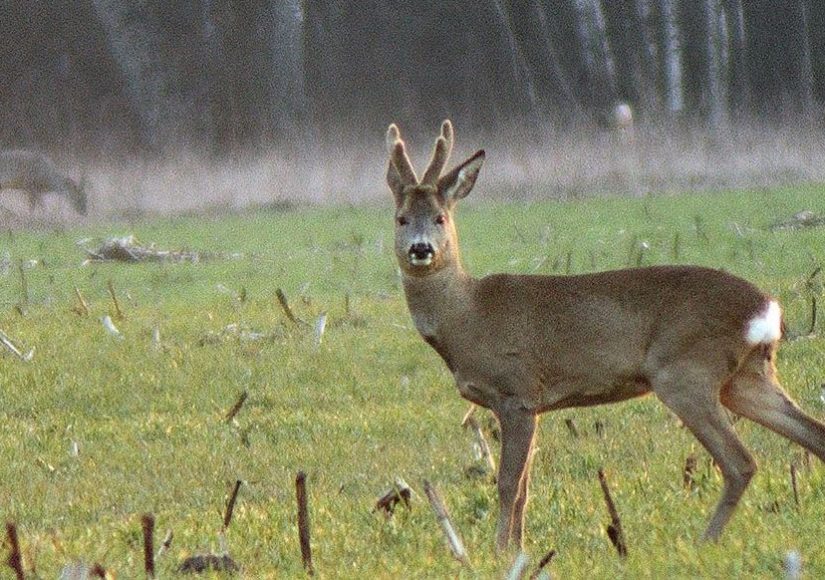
(425, 235)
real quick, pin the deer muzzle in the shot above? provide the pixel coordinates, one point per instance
(421, 254)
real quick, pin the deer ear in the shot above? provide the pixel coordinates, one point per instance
(460, 181)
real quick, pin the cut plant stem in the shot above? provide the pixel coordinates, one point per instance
(793, 485)
(15, 560)
(24, 284)
(303, 522)
(6, 341)
(443, 517)
(540, 572)
(118, 312)
(236, 407)
(614, 529)
(471, 423)
(468, 415)
(83, 307)
(148, 525)
(165, 544)
(285, 307)
(230, 505)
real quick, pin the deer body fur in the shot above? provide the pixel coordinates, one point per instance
(36, 175)
(520, 345)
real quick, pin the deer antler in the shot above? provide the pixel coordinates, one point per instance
(441, 154)
(398, 156)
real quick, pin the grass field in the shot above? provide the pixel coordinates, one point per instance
(96, 430)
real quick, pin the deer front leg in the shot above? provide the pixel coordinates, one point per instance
(518, 428)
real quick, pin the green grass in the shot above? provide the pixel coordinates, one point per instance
(373, 402)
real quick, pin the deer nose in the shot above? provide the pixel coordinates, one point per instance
(421, 250)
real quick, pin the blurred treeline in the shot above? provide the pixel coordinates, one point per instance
(219, 75)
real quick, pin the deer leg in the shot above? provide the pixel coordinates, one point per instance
(761, 399)
(518, 428)
(517, 532)
(696, 403)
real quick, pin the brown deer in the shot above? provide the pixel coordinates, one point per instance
(37, 175)
(699, 339)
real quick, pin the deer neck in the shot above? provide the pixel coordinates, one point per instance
(438, 297)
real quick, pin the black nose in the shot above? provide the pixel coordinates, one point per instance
(421, 250)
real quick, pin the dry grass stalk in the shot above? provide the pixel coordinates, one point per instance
(614, 529)
(118, 312)
(285, 307)
(540, 572)
(303, 522)
(812, 328)
(230, 415)
(24, 284)
(230, 505)
(443, 517)
(6, 341)
(165, 544)
(468, 415)
(481, 441)
(82, 307)
(793, 485)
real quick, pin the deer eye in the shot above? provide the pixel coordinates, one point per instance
(440, 219)
(402, 221)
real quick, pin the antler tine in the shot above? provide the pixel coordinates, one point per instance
(393, 135)
(448, 133)
(441, 153)
(398, 155)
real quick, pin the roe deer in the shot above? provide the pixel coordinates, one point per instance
(37, 175)
(520, 345)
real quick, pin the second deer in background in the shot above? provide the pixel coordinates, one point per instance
(36, 175)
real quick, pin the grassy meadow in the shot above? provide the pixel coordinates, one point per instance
(96, 430)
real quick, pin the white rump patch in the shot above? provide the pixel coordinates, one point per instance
(765, 327)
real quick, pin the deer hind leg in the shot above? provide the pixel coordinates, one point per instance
(694, 398)
(755, 393)
(518, 428)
